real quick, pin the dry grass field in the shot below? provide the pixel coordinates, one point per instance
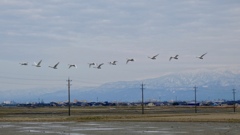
(125, 114)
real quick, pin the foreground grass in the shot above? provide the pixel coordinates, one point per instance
(129, 114)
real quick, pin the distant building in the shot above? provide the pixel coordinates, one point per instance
(150, 104)
(9, 102)
(193, 104)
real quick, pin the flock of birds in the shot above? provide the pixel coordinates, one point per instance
(98, 66)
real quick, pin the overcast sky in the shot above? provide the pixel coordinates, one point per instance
(83, 31)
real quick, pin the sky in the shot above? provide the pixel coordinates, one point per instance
(83, 31)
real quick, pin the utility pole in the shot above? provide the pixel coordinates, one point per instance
(69, 96)
(234, 105)
(142, 99)
(195, 91)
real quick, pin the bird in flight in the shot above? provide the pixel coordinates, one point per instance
(175, 57)
(99, 66)
(24, 63)
(129, 60)
(113, 63)
(153, 57)
(72, 65)
(37, 64)
(55, 66)
(201, 57)
(91, 64)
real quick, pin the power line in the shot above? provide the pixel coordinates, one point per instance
(47, 80)
(13, 83)
(32, 79)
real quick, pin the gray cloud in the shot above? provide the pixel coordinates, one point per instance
(80, 31)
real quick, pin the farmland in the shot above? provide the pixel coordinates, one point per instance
(119, 113)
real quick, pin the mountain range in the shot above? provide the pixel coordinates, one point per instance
(211, 84)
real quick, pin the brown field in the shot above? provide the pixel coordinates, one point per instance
(124, 114)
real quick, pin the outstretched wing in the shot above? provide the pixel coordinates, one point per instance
(203, 55)
(155, 56)
(55, 66)
(127, 61)
(39, 62)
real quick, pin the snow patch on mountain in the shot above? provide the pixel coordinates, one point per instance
(183, 80)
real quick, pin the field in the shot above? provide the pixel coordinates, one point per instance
(123, 114)
(119, 120)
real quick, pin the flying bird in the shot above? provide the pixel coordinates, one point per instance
(153, 57)
(91, 64)
(113, 63)
(129, 60)
(24, 64)
(72, 65)
(175, 57)
(99, 66)
(201, 57)
(37, 64)
(55, 66)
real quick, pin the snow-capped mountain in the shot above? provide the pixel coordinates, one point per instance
(183, 80)
(212, 84)
(198, 78)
